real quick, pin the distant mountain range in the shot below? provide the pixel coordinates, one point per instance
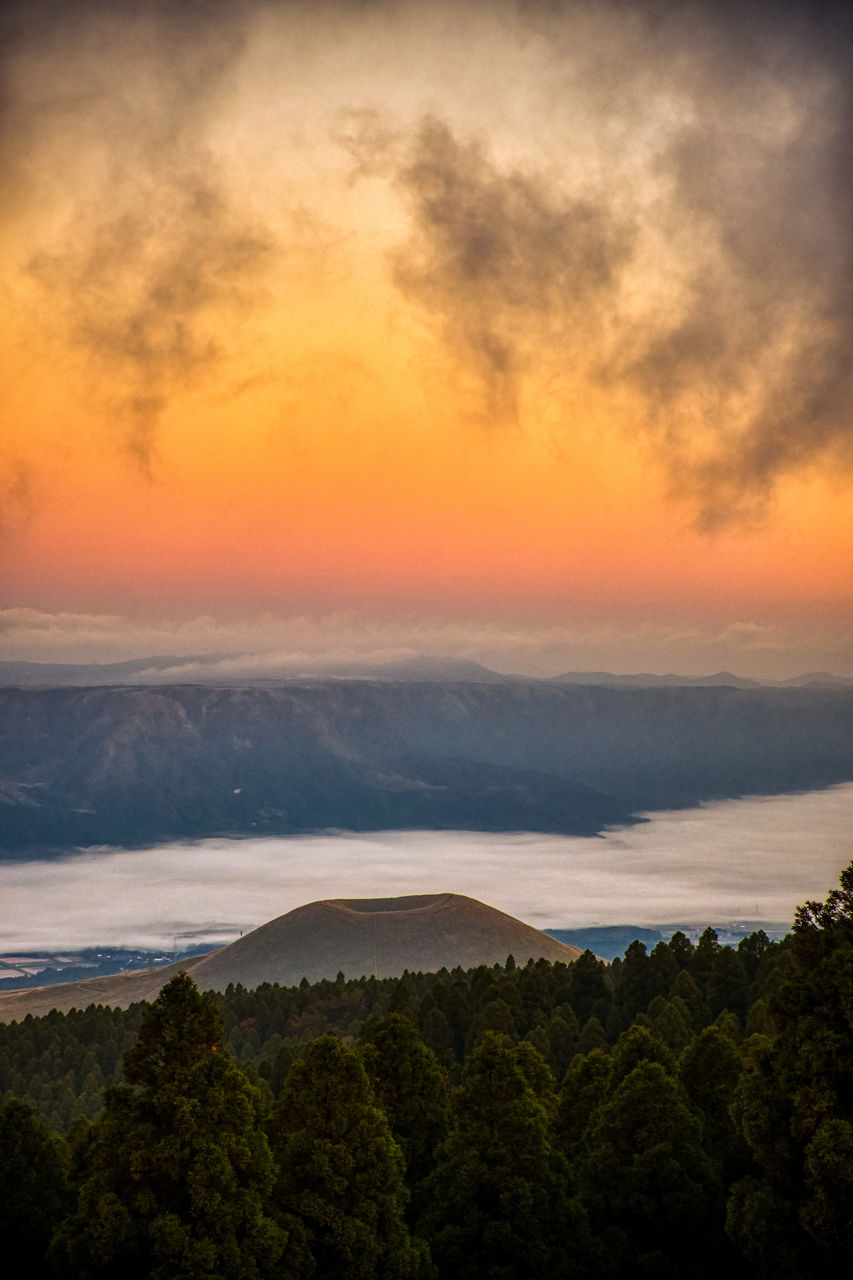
(130, 765)
(647, 680)
(379, 937)
(237, 669)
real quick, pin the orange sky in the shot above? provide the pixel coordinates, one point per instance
(425, 322)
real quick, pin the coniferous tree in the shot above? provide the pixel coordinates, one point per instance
(34, 1193)
(411, 1088)
(625, 1126)
(681, 949)
(727, 984)
(592, 1036)
(563, 1035)
(178, 1166)
(670, 1022)
(707, 950)
(583, 1090)
(638, 1044)
(751, 949)
(589, 993)
(794, 1103)
(663, 966)
(684, 988)
(653, 1195)
(709, 1070)
(341, 1172)
(437, 1034)
(637, 983)
(494, 1016)
(500, 1205)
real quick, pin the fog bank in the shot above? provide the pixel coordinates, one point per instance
(753, 860)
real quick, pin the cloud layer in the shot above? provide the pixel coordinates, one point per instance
(661, 203)
(745, 862)
(738, 223)
(273, 645)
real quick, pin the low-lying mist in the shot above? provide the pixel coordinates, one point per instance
(749, 860)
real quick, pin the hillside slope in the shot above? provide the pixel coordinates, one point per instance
(379, 937)
(133, 766)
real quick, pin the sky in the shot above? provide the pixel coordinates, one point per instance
(734, 862)
(515, 331)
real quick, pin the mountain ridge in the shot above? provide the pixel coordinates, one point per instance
(137, 765)
(244, 669)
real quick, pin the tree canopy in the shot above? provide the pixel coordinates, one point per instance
(687, 1111)
(179, 1169)
(341, 1173)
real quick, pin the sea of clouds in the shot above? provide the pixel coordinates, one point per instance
(753, 860)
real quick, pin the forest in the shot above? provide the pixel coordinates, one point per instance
(684, 1111)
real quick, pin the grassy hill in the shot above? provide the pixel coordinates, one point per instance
(376, 937)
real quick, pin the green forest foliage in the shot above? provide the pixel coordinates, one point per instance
(684, 1111)
(178, 1173)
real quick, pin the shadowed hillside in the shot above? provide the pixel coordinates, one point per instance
(377, 937)
(134, 766)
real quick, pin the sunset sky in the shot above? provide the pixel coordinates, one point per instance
(520, 332)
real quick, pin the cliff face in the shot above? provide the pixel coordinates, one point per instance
(133, 765)
(379, 937)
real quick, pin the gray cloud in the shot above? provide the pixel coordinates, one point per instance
(739, 115)
(745, 374)
(158, 242)
(763, 347)
(17, 483)
(507, 263)
(142, 286)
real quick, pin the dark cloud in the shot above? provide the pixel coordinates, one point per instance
(754, 379)
(17, 484)
(143, 283)
(159, 243)
(505, 261)
(747, 375)
(742, 376)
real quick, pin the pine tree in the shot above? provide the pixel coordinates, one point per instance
(33, 1189)
(341, 1171)
(583, 1090)
(670, 1021)
(499, 1205)
(637, 983)
(178, 1165)
(563, 1036)
(794, 1104)
(709, 1069)
(728, 984)
(589, 993)
(652, 1191)
(412, 1090)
